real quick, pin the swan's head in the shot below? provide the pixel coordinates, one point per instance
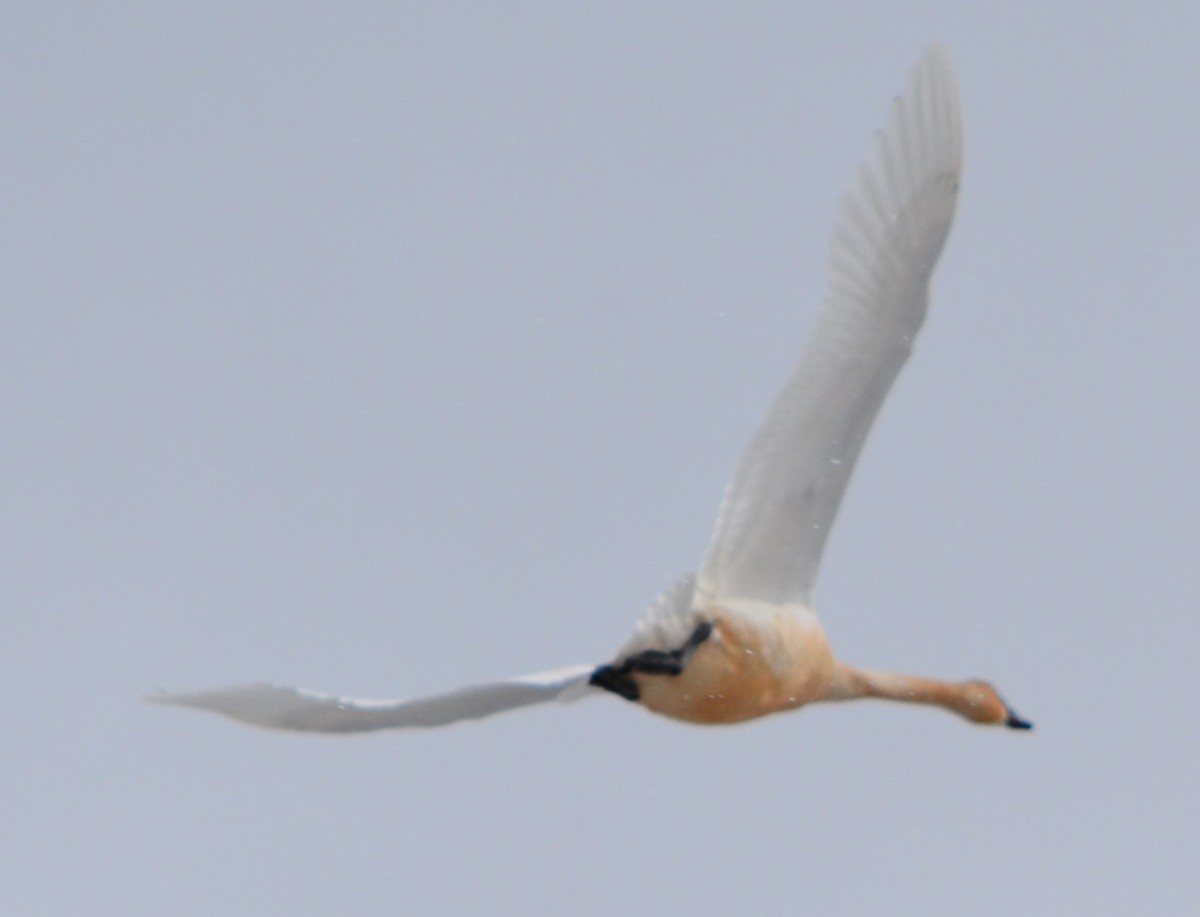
(981, 703)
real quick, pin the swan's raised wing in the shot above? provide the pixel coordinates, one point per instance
(297, 709)
(892, 224)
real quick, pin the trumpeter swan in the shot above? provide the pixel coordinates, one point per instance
(740, 640)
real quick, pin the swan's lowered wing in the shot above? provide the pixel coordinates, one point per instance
(297, 709)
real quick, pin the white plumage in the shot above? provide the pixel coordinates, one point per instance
(785, 491)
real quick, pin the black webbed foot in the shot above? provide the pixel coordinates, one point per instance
(649, 662)
(613, 679)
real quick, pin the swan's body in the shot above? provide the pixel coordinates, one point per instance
(740, 640)
(758, 660)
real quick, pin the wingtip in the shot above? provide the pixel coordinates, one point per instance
(935, 66)
(936, 51)
(176, 699)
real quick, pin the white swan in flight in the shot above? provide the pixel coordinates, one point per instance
(740, 640)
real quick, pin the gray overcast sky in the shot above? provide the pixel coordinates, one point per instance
(379, 348)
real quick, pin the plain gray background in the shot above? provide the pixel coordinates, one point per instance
(380, 348)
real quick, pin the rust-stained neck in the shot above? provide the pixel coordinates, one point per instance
(973, 700)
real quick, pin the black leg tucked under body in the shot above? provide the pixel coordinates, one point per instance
(616, 678)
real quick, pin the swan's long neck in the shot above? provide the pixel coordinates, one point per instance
(976, 701)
